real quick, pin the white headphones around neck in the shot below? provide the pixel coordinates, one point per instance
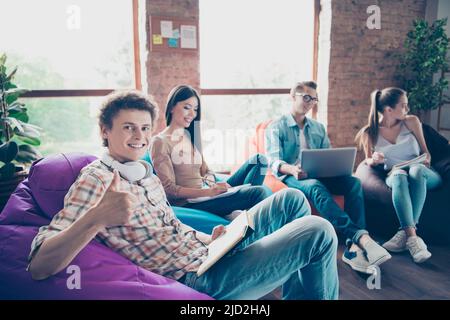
(132, 171)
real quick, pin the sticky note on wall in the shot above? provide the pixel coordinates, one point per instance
(157, 39)
(173, 43)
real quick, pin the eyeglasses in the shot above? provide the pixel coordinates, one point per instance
(307, 98)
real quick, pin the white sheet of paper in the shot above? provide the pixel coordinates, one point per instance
(166, 29)
(230, 192)
(188, 35)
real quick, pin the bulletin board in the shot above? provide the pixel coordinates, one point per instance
(169, 34)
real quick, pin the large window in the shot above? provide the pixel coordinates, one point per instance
(256, 43)
(82, 47)
(252, 52)
(68, 124)
(68, 44)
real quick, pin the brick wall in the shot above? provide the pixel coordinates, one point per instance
(360, 60)
(166, 70)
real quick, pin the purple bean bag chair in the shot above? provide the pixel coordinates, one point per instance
(104, 274)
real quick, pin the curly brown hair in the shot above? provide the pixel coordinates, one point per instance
(125, 100)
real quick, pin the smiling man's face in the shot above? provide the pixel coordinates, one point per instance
(129, 137)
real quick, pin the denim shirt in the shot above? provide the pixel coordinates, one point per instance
(283, 142)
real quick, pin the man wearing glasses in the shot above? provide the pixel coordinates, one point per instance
(285, 138)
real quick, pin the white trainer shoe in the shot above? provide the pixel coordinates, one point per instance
(418, 249)
(397, 243)
(357, 259)
(375, 253)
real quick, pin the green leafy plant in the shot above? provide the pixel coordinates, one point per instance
(18, 138)
(426, 48)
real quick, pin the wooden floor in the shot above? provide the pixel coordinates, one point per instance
(401, 279)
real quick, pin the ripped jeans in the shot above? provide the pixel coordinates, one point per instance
(409, 191)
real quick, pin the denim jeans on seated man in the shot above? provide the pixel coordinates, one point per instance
(289, 248)
(284, 147)
(252, 172)
(349, 223)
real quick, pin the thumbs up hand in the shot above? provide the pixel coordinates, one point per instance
(115, 207)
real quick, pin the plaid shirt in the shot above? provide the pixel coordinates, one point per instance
(154, 238)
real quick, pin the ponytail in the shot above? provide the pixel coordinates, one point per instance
(369, 133)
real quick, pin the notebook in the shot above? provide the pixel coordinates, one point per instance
(409, 163)
(237, 230)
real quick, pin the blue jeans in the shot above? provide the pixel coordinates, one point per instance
(289, 247)
(252, 171)
(409, 191)
(350, 223)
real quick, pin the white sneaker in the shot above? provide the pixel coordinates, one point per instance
(375, 253)
(397, 243)
(357, 261)
(418, 249)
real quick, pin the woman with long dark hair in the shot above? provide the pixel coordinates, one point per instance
(392, 137)
(179, 163)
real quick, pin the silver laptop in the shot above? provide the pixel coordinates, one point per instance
(327, 163)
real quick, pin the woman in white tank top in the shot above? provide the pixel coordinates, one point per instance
(388, 140)
(405, 147)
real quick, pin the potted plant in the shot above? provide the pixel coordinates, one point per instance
(18, 138)
(422, 66)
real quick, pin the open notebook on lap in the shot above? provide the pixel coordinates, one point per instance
(328, 163)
